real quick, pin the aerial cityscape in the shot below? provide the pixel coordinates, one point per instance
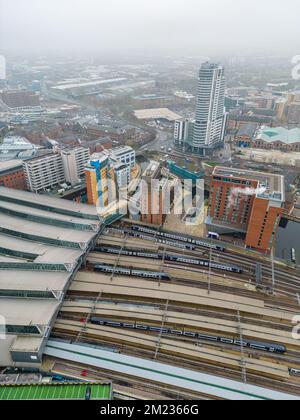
(149, 202)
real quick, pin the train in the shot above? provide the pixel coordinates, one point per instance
(295, 372)
(179, 238)
(255, 345)
(187, 247)
(171, 258)
(105, 268)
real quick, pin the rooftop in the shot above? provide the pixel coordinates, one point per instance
(9, 165)
(157, 114)
(273, 183)
(43, 241)
(70, 86)
(248, 130)
(281, 134)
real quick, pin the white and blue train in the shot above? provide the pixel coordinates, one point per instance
(105, 268)
(177, 237)
(171, 258)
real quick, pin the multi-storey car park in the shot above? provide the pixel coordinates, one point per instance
(192, 330)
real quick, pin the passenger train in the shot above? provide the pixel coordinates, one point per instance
(177, 238)
(171, 258)
(163, 241)
(252, 344)
(105, 268)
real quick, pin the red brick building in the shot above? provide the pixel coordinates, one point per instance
(246, 202)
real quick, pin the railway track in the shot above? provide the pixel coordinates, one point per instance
(123, 385)
(231, 308)
(287, 280)
(223, 371)
(249, 264)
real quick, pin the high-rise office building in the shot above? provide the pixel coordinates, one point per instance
(210, 119)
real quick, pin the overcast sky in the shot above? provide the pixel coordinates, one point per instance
(186, 27)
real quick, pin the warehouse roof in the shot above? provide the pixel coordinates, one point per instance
(157, 114)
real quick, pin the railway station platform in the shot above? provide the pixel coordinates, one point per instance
(204, 384)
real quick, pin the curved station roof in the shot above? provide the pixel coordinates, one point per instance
(43, 242)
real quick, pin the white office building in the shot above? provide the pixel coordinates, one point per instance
(74, 163)
(183, 132)
(44, 172)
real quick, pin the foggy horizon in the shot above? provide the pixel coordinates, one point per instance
(156, 27)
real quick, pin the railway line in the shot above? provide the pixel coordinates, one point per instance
(172, 347)
(177, 321)
(287, 277)
(249, 261)
(186, 326)
(123, 386)
(146, 296)
(91, 284)
(273, 379)
(183, 275)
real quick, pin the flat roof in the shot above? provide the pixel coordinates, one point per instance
(10, 164)
(157, 114)
(88, 84)
(168, 374)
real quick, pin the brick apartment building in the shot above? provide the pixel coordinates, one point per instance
(247, 202)
(12, 175)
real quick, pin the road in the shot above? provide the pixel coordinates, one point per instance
(163, 138)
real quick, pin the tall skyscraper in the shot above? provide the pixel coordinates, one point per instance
(210, 120)
(207, 130)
